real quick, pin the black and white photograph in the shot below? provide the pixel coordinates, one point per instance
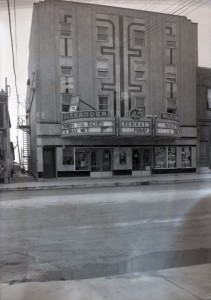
(105, 149)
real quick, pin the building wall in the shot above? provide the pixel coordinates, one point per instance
(122, 58)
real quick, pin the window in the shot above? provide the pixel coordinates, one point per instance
(209, 98)
(186, 157)
(68, 156)
(171, 44)
(139, 37)
(1, 115)
(67, 71)
(171, 89)
(172, 157)
(170, 56)
(102, 33)
(66, 47)
(65, 108)
(67, 19)
(171, 77)
(65, 30)
(168, 30)
(102, 73)
(139, 75)
(103, 103)
(139, 102)
(66, 84)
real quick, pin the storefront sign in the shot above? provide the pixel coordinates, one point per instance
(142, 127)
(88, 127)
(85, 114)
(167, 128)
(168, 116)
(136, 114)
(74, 103)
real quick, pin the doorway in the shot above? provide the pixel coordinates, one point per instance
(49, 162)
(141, 161)
(101, 161)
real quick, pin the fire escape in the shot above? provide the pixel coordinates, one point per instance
(24, 125)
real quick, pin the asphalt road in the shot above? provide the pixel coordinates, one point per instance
(74, 234)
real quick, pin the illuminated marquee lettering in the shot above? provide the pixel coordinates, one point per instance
(85, 114)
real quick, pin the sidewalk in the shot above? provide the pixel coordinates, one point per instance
(187, 283)
(25, 182)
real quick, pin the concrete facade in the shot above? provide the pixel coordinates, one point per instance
(204, 118)
(6, 147)
(131, 75)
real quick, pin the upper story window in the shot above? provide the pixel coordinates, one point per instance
(66, 48)
(102, 73)
(168, 30)
(171, 89)
(209, 98)
(67, 71)
(67, 19)
(102, 33)
(170, 56)
(139, 75)
(171, 44)
(65, 30)
(139, 37)
(139, 102)
(66, 84)
(65, 108)
(171, 77)
(103, 103)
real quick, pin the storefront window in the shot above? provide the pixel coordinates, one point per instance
(68, 156)
(81, 159)
(186, 157)
(122, 158)
(160, 158)
(172, 157)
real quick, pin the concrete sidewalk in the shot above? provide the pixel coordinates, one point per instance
(187, 283)
(29, 183)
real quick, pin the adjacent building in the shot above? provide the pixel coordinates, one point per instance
(6, 147)
(111, 91)
(204, 118)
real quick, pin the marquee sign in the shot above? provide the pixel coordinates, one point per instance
(168, 116)
(143, 127)
(136, 114)
(85, 114)
(167, 128)
(87, 127)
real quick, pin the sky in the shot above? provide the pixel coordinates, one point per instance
(198, 11)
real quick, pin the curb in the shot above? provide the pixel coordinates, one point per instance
(101, 185)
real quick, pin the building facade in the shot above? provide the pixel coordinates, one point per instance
(204, 118)
(6, 147)
(112, 91)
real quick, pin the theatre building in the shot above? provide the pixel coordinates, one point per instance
(112, 91)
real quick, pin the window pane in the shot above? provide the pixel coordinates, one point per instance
(68, 156)
(140, 102)
(69, 47)
(139, 37)
(66, 84)
(102, 73)
(65, 108)
(103, 103)
(65, 33)
(62, 46)
(66, 71)
(139, 75)
(102, 33)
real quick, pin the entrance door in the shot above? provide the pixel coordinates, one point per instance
(101, 161)
(141, 161)
(49, 163)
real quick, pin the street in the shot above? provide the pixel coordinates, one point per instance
(74, 234)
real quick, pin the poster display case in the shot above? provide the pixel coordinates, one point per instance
(186, 157)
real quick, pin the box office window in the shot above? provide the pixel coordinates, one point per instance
(186, 158)
(82, 159)
(68, 156)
